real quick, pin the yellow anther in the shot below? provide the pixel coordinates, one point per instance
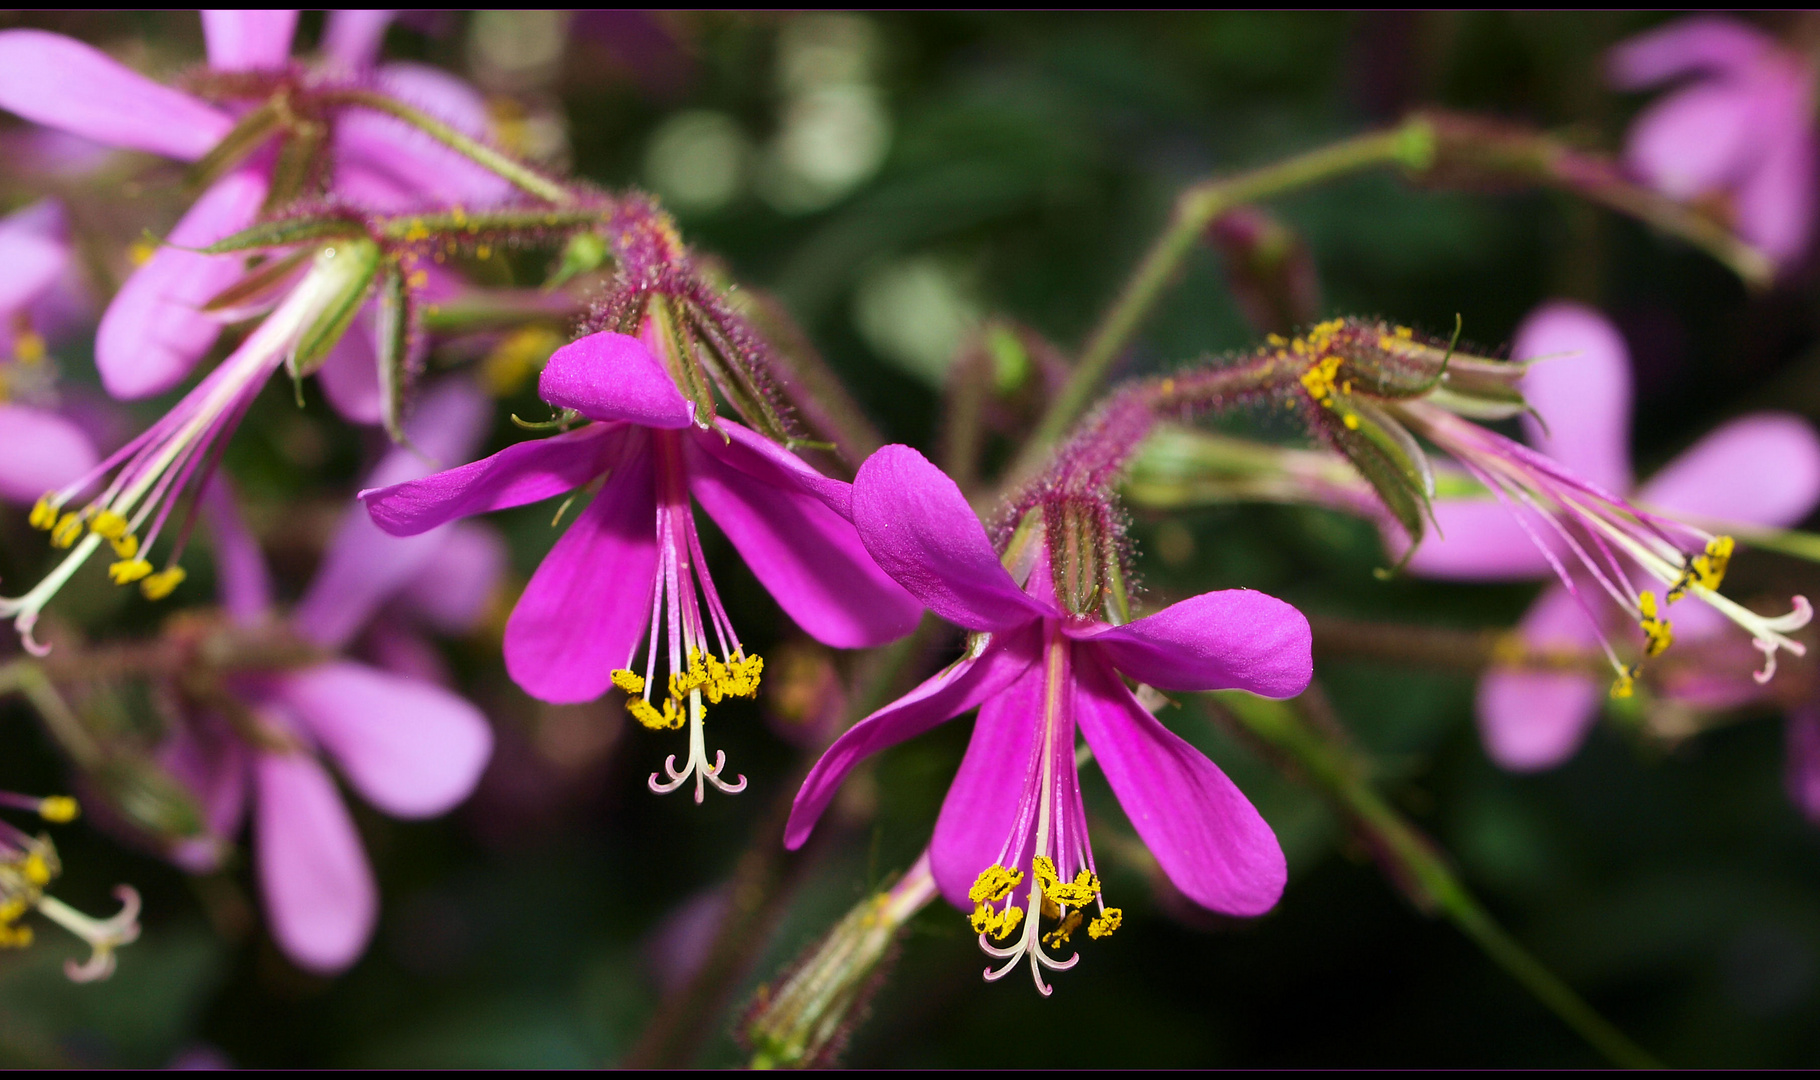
(1351, 420)
(28, 347)
(1322, 378)
(996, 924)
(127, 571)
(12, 910)
(1277, 340)
(141, 252)
(36, 870)
(1626, 683)
(628, 681)
(58, 809)
(125, 546)
(1106, 923)
(1657, 632)
(1706, 570)
(1044, 868)
(15, 937)
(163, 583)
(1061, 933)
(44, 512)
(1073, 894)
(994, 884)
(108, 523)
(645, 713)
(67, 530)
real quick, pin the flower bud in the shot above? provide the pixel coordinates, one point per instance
(1269, 269)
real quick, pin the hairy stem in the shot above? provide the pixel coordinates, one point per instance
(1339, 772)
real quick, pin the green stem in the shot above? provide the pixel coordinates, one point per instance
(1414, 863)
(522, 176)
(1409, 144)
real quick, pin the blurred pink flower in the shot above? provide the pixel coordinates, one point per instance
(43, 450)
(1761, 469)
(410, 747)
(154, 331)
(1740, 128)
(1013, 825)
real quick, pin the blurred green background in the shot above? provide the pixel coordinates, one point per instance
(894, 179)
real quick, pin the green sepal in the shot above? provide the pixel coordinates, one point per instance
(298, 168)
(267, 277)
(332, 320)
(1389, 459)
(147, 797)
(273, 234)
(393, 325)
(462, 226)
(584, 253)
(238, 144)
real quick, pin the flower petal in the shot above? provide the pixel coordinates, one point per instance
(1699, 139)
(1537, 719)
(948, 694)
(319, 894)
(608, 376)
(154, 331)
(1704, 43)
(43, 452)
(349, 375)
(524, 473)
(1803, 768)
(34, 252)
(249, 39)
(387, 164)
(242, 579)
(61, 83)
(807, 556)
(352, 38)
(1208, 838)
(452, 593)
(364, 566)
(1237, 639)
(410, 748)
(920, 530)
(1581, 389)
(1474, 540)
(1761, 469)
(588, 606)
(999, 777)
(215, 770)
(1775, 205)
(765, 461)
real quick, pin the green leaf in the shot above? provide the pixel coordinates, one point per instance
(394, 334)
(272, 234)
(262, 279)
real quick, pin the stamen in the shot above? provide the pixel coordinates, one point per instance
(1658, 633)
(1107, 921)
(163, 583)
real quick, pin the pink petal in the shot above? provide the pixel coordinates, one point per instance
(1698, 140)
(256, 39)
(807, 556)
(768, 463)
(1803, 768)
(1704, 43)
(1761, 469)
(1537, 719)
(1775, 205)
(524, 473)
(241, 577)
(588, 606)
(999, 777)
(154, 331)
(410, 748)
(43, 452)
(352, 38)
(61, 83)
(1232, 640)
(948, 694)
(33, 251)
(215, 770)
(364, 566)
(1582, 391)
(1474, 540)
(319, 894)
(349, 377)
(920, 530)
(1208, 838)
(609, 376)
(453, 593)
(390, 165)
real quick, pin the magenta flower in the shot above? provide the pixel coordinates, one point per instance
(43, 449)
(1740, 131)
(154, 330)
(626, 574)
(1014, 811)
(409, 747)
(1762, 469)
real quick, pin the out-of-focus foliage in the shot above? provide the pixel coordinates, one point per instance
(893, 179)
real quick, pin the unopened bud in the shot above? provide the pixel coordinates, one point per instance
(804, 1020)
(1268, 268)
(1083, 553)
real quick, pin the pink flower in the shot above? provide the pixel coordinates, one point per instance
(409, 747)
(154, 331)
(1762, 469)
(1740, 129)
(43, 449)
(631, 565)
(1014, 815)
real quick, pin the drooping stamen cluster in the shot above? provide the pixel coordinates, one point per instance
(144, 481)
(28, 864)
(695, 672)
(1048, 848)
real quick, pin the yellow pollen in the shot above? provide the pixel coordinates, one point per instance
(994, 884)
(127, 571)
(28, 348)
(163, 583)
(44, 512)
(1060, 934)
(126, 546)
(58, 809)
(68, 528)
(15, 937)
(1658, 633)
(1321, 379)
(1066, 894)
(36, 870)
(629, 681)
(108, 523)
(1626, 683)
(141, 252)
(1106, 923)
